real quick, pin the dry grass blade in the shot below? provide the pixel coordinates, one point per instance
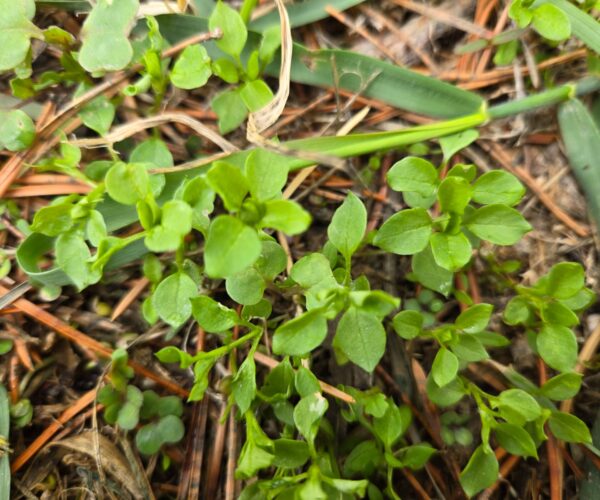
(128, 129)
(262, 119)
(189, 165)
(111, 459)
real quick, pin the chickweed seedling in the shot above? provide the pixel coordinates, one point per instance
(240, 287)
(127, 407)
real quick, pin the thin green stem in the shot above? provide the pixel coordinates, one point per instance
(226, 349)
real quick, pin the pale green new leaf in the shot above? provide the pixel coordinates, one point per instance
(16, 30)
(266, 174)
(286, 216)
(231, 24)
(172, 298)
(106, 46)
(551, 22)
(229, 183)
(348, 225)
(192, 68)
(72, 255)
(230, 247)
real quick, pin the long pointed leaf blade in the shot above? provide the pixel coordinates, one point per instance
(581, 137)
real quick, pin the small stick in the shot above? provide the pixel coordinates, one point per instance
(216, 457)
(231, 457)
(129, 297)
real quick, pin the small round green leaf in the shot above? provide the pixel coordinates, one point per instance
(445, 367)
(233, 27)
(17, 130)
(300, 335)
(348, 225)
(515, 440)
(405, 233)
(127, 183)
(557, 346)
(361, 338)
(192, 68)
(451, 251)
(498, 186)
(413, 174)
(172, 298)
(231, 246)
(551, 22)
(497, 224)
(481, 471)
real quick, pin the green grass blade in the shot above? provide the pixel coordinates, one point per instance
(584, 26)
(380, 80)
(359, 144)
(581, 137)
(303, 13)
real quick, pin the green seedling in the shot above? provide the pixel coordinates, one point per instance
(156, 419)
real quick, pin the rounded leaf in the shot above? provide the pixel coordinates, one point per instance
(405, 233)
(231, 246)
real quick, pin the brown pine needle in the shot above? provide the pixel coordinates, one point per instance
(129, 297)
